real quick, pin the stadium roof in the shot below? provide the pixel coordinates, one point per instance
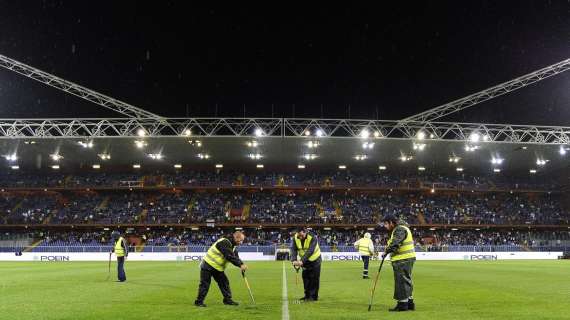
(282, 153)
(417, 143)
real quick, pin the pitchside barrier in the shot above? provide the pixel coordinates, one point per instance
(469, 256)
(271, 249)
(259, 256)
(133, 256)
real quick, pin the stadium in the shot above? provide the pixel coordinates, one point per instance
(85, 200)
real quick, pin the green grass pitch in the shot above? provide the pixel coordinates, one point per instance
(166, 290)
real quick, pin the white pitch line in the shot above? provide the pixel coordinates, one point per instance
(285, 309)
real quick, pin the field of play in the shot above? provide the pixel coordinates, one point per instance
(166, 290)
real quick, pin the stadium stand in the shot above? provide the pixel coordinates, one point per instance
(75, 212)
(281, 206)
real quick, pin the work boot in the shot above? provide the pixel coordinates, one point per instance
(401, 306)
(199, 304)
(411, 305)
(230, 303)
(365, 277)
(306, 299)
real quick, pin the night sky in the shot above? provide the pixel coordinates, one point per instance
(390, 61)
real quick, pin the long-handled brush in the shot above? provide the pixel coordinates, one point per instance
(375, 282)
(297, 269)
(109, 268)
(248, 287)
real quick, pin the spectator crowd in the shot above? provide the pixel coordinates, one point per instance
(280, 207)
(222, 178)
(427, 201)
(340, 239)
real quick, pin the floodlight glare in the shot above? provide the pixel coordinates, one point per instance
(497, 161)
(86, 145)
(419, 146)
(104, 156)
(454, 159)
(474, 137)
(469, 148)
(140, 144)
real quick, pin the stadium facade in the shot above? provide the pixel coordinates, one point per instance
(148, 146)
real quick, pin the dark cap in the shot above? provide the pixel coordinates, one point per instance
(299, 229)
(390, 218)
(116, 234)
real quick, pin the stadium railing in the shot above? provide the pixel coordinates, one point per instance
(271, 249)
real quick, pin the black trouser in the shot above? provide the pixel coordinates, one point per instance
(403, 284)
(311, 281)
(206, 274)
(366, 260)
(121, 269)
